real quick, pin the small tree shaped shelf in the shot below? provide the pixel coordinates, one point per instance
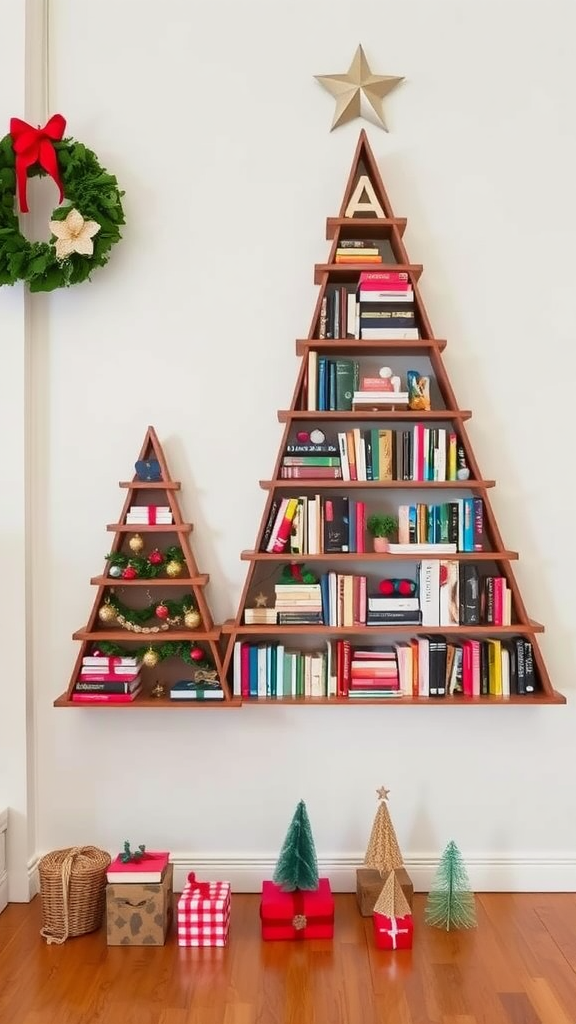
(150, 602)
(298, 657)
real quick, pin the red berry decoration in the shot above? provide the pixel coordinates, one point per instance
(129, 573)
(155, 557)
(386, 587)
(162, 611)
(196, 653)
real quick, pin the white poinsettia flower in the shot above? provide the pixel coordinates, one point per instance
(74, 234)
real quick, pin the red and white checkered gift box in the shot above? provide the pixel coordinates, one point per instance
(203, 916)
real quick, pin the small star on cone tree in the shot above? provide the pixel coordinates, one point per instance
(450, 901)
(297, 866)
(383, 851)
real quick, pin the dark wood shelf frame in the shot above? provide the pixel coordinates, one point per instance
(391, 229)
(193, 581)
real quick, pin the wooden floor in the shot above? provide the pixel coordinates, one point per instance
(517, 967)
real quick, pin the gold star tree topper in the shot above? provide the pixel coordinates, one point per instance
(382, 793)
(74, 234)
(359, 93)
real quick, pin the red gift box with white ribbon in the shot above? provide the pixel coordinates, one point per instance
(203, 914)
(393, 932)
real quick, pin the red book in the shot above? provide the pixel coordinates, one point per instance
(149, 868)
(297, 915)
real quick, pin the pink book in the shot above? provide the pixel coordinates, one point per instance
(149, 868)
(80, 697)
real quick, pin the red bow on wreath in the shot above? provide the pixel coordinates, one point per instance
(36, 146)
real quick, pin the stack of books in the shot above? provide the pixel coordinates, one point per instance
(385, 306)
(298, 603)
(106, 680)
(357, 250)
(149, 515)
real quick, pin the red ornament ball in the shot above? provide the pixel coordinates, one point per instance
(155, 557)
(406, 588)
(129, 573)
(303, 436)
(162, 611)
(386, 587)
(196, 653)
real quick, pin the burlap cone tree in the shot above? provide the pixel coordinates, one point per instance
(392, 901)
(383, 852)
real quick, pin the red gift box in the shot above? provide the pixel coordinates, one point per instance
(393, 932)
(301, 914)
(203, 914)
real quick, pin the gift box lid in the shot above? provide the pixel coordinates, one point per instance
(313, 903)
(197, 895)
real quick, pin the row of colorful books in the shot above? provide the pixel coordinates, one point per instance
(432, 666)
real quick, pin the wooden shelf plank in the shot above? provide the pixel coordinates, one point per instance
(372, 556)
(150, 528)
(396, 485)
(127, 636)
(371, 632)
(454, 702)
(352, 271)
(287, 415)
(149, 485)
(147, 702)
(364, 227)
(164, 581)
(366, 346)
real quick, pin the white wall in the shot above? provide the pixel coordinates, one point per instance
(17, 734)
(220, 136)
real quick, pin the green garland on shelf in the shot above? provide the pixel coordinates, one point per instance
(143, 567)
(170, 649)
(140, 616)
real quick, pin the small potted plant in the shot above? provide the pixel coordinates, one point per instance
(382, 528)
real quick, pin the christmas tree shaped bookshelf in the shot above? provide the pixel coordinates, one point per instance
(362, 439)
(163, 632)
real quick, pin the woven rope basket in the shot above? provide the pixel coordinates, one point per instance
(73, 891)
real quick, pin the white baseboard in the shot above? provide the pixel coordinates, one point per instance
(3, 869)
(33, 877)
(512, 873)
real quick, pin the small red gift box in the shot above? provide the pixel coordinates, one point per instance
(203, 916)
(393, 932)
(301, 914)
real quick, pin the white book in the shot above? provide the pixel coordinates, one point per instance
(369, 295)
(429, 591)
(393, 333)
(422, 549)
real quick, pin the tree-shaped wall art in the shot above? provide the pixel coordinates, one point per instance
(379, 573)
(150, 640)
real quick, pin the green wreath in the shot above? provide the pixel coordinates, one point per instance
(91, 217)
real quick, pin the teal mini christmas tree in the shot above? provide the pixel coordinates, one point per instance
(450, 901)
(297, 866)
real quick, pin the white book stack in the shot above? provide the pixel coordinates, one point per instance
(149, 515)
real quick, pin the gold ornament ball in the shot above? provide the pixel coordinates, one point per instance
(173, 568)
(150, 658)
(192, 619)
(106, 613)
(136, 544)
